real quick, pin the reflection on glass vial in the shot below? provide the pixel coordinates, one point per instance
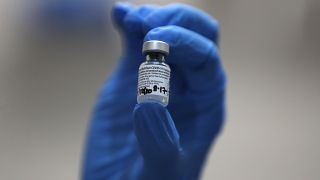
(154, 74)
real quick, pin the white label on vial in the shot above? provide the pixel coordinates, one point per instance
(153, 79)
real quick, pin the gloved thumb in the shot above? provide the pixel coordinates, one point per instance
(157, 137)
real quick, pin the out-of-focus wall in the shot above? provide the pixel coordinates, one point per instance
(272, 56)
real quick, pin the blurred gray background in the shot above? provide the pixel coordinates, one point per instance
(271, 51)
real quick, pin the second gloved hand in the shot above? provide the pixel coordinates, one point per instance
(151, 143)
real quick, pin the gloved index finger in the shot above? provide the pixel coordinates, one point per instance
(119, 11)
(185, 16)
(130, 17)
(195, 55)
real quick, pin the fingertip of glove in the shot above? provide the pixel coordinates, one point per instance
(145, 111)
(155, 129)
(120, 10)
(161, 33)
(148, 107)
(148, 118)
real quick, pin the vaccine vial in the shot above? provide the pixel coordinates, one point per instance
(154, 74)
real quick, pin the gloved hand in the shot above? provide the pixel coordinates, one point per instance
(145, 141)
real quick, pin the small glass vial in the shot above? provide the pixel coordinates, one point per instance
(154, 74)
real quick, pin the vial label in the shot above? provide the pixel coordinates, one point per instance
(153, 80)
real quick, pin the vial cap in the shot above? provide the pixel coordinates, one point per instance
(155, 46)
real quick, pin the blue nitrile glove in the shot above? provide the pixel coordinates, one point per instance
(145, 142)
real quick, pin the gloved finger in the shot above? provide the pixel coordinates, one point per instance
(157, 135)
(119, 12)
(185, 16)
(195, 55)
(129, 19)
